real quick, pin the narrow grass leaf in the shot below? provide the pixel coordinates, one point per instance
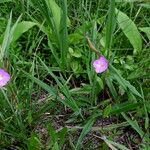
(146, 5)
(124, 83)
(111, 88)
(85, 130)
(62, 133)
(63, 35)
(53, 92)
(124, 107)
(53, 134)
(70, 101)
(120, 146)
(145, 110)
(128, 1)
(130, 30)
(110, 26)
(132, 88)
(109, 144)
(134, 125)
(46, 87)
(6, 38)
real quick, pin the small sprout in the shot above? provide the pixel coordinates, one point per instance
(100, 65)
(4, 77)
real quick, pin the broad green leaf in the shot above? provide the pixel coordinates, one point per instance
(74, 65)
(21, 28)
(130, 30)
(146, 30)
(146, 5)
(56, 12)
(75, 53)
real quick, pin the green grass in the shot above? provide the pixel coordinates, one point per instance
(54, 99)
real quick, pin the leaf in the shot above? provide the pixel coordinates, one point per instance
(100, 83)
(75, 53)
(29, 117)
(130, 30)
(111, 87)
(134, 125)
(146, 30)
(62, 134)
(132, 88)
(6, 40)
(146, 5)
(53, 134)
(46, 87)
(22, 27)
(74, 65)
(107, 111)
(128, 1)
(85, 130)
(111, 144)
(56, 146)
(8, 36)
(56, 12)
(124, 107)
(110, 26)
(63, 87)
(34, 143)
(124, 83)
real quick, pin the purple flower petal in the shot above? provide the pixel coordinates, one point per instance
(100, 65)
(4, 77)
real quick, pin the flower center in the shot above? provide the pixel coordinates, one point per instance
(101, 65)
(1, 77)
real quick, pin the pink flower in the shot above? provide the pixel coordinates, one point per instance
(100, 65)
(4, 77)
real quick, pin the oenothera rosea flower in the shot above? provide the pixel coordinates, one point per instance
(100, 65)
(4, 77)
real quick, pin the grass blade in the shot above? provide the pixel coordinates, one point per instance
(110, 26)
